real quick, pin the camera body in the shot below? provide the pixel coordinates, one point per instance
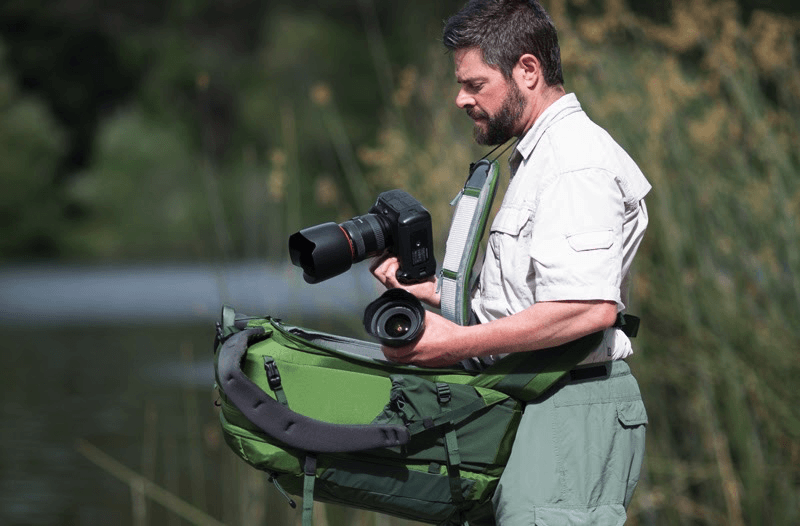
(396, 222)
(411, 234)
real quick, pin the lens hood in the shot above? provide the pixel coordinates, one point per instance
(396, 318)
(323, 251)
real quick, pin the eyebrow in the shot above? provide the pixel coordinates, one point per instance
(471, 80)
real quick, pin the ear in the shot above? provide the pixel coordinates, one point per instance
(530, 70)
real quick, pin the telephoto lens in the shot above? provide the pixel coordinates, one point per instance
(327, 250)
(396, 318)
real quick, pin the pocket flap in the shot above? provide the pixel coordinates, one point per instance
(510, 220)
(631, 414)
(594, 240)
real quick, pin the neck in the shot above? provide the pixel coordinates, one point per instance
(539, 103)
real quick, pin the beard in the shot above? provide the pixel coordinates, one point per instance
(500, 127)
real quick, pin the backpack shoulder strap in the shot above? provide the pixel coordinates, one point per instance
(526, 375)
(472, 206)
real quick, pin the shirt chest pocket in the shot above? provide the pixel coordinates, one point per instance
(505, 271)
(591, 240)
(510, 221)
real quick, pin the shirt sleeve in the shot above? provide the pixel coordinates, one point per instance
(577, 240)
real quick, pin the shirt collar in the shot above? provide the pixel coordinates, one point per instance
(566, 105)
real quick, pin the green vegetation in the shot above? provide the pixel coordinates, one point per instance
(228, 133)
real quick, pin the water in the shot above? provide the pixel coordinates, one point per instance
(36, 294)
(120, 362)
(94, 384)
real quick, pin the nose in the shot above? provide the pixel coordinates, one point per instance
(464, 100)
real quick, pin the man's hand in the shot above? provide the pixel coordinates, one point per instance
(385, 268)
(434, 348)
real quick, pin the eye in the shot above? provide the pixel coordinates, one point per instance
(474, 87)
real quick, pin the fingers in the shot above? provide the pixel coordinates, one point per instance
(398, 354)
(378, 261)
(385, 268)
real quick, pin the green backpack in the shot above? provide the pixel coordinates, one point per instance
(329, 419)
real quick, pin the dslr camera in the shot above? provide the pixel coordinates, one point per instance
(396, 222)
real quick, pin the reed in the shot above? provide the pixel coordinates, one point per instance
(717, 277)
(141, 486)
(708, 106)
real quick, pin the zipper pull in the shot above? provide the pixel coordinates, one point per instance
(274, 479)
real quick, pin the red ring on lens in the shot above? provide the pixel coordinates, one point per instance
(349, 242)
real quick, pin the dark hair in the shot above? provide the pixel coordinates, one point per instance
(504, 30)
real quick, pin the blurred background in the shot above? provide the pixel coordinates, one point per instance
(156, 155)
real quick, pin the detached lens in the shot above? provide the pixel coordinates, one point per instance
(397, 318)
(397, 325)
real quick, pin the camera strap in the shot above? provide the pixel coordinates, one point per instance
(472, 206)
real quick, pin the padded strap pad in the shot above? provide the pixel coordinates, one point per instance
(283, 424)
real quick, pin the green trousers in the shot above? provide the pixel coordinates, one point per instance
(578, 452)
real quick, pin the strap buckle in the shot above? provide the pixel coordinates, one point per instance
(273, 376)
(443, 393)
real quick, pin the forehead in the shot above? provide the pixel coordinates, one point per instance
(470, 66)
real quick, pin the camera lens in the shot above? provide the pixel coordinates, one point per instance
(396, 318)
(327, 250)
(368, 235)
(323, 251)
(397, 325)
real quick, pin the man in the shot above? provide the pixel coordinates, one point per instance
(556, 269)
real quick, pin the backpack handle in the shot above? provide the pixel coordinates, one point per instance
(283, 424)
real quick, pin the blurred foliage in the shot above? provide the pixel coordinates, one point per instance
(212, 130)
(226, 86)
(707, 102)
(708, 106)
(31, 145)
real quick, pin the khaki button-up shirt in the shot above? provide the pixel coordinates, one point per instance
(570, 223)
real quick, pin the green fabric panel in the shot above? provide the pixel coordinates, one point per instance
(479, 433)
(288, 347)
(392, 489)
(259, 453)
(490, 396)
(336, 396)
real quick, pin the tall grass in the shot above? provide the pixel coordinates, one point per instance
(708, 106)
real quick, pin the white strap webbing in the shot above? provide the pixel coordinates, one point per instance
(472, 207)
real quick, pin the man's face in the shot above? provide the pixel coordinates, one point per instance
(492, 102)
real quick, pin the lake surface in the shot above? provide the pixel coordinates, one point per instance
(102, 385)
(117, 363)
(35, 294)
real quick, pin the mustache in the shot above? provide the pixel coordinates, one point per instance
(475, 113)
